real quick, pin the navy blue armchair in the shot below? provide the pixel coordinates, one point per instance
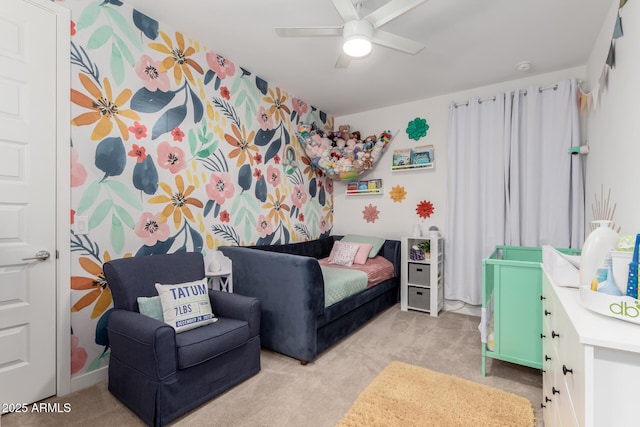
(161, 375)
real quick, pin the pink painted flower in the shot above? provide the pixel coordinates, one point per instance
(222, 66)
(224, 216)
(257, 173)
(78, 172)
(140, 153)
(264, 119)
(276, 159)
(224, 91)
(151, 230)
(299, 196)
(328, 185)
(273, 176)
(324, 224)
(177, 134)
(78, 355)
(299, 106)
(264, 226)
(370, 213)
(220, 187)
(258, 158)
(149, 71)
(170, 157)
(301, 217)
(138, 130)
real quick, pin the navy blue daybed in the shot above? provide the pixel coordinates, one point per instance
(288, 281)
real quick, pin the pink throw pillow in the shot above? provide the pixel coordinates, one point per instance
(363, 253)
(343, 253)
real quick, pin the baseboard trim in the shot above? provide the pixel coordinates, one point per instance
(462, 308)
(89, 379)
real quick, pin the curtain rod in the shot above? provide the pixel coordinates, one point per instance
(493, 98)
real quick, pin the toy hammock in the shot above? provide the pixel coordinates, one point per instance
(342, 155)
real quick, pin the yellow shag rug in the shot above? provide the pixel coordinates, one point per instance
(406, 395)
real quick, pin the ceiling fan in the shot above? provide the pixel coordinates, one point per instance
(358, 33)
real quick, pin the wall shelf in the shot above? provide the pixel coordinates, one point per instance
(415, 158)
(369, 187)
(411, 167)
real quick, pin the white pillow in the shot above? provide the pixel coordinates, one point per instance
(186, 305)
(343, 253)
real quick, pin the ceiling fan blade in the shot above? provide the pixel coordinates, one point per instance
(343, 61)
(346, 9)
(309, 31)
(396, 42)
(391, 11)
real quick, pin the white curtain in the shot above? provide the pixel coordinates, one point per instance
(546, 196)
(511, 180)
(477, 164)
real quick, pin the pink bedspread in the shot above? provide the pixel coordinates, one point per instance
(377, 268)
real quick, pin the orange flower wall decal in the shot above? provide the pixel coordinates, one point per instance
(424, 209)
(370, 213)
(398, 193)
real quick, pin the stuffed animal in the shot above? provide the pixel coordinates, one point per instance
(345, 131)
(355, 135)
(367, 161)
(316, 145)
(369, 142)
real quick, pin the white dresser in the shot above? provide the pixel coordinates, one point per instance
(591, 364)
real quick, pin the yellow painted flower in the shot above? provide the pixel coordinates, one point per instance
(398, 193)
(104, 108)
(97, 286)
(177, 203)
(328, 209)
(243, 144)
(278, 107)
(178, 58)
(277, 206)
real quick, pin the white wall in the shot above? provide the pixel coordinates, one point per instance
(396, 219)
(613, 127)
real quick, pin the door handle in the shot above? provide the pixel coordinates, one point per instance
(40, 256)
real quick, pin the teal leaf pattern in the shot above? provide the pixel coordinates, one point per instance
(145, 176)
(169, 120)
(111, 157)
(148, 26)
(146, 101)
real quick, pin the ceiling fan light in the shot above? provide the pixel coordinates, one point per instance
(357, 47)
(357, 38)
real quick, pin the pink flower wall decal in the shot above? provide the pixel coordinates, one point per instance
(78, 172)
(220, 187)
(151, 230)
(170, 157)
(370, 213)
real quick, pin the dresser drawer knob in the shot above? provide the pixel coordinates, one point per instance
(547, 312)
(542, 405)
(555, 390)
(546, 399)
(566, 370)
(543, 336)
(542, 298)
(554, 334)
(547, 358)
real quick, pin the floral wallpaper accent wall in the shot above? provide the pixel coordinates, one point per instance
(174, 148)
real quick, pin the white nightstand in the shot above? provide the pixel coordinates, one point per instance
(220, 280)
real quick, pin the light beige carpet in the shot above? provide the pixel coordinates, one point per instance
(407, 395)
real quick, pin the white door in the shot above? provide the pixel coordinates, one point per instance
(27, 202)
